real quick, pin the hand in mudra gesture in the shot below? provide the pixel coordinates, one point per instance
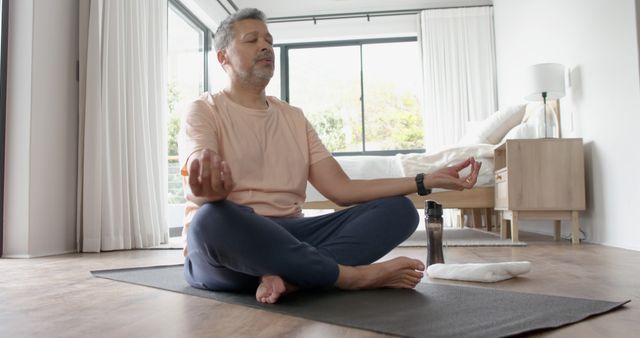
(210, 178)
(449, 177)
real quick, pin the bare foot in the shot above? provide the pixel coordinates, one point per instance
(271, 288)
(400, 272)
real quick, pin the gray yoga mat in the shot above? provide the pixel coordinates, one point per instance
(430, 310)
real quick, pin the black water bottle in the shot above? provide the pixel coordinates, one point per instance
(433, 224)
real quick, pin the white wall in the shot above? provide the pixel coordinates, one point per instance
(598, 40)
(40, 199)
(17, 143)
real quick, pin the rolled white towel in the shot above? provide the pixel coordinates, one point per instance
(479, 272)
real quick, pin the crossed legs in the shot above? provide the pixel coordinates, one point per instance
(233, 249)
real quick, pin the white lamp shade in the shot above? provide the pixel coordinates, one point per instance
(544, 77)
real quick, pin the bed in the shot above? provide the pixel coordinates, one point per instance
(474, 201)
(515, 121)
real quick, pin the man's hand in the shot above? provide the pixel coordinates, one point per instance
(449, 178)
(209, 178)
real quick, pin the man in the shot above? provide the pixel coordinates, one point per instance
(248, 158)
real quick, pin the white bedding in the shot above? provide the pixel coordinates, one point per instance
(413, 164)
(362, 167)
(408, 165)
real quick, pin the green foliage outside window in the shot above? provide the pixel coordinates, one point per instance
(174, 97)
(392, 122)
(329, 127)
(393, 119)
(176, 195)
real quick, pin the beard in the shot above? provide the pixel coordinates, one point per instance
(259, 73)
(263, 72)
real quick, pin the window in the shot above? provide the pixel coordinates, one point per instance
(392, 82)
(325, 83)
(187, 45)
(273, 88)
(362, 97)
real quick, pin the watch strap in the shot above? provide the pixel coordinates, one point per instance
(422, 190)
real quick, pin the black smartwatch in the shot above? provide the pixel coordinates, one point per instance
(422, 190)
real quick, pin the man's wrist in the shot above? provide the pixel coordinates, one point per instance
(421, 188)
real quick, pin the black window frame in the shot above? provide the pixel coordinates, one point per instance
(284, 82)
(4, 30)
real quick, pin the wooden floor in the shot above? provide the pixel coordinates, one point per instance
(58, 297)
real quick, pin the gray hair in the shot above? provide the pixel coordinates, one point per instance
(224, 33)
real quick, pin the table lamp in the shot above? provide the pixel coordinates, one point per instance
(544, 80)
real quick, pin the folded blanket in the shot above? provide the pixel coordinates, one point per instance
(479, 272)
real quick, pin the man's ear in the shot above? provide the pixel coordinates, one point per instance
(222, 57)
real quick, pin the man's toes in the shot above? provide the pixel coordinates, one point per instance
(411, 263)
(417, 265)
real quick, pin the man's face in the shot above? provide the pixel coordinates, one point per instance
(250, 53)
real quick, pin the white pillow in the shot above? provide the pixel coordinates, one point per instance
(533, 127)
(472, 138)
(552, 122)
(494, 127)
(523, 130)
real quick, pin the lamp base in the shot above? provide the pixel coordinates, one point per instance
(551, 128)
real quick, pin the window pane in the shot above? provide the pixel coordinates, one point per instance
(392, 83)
(217, 76)
(186, 82)
(186, 57)
(273, 88)
(325, 83)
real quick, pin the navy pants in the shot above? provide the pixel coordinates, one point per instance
(230, 247)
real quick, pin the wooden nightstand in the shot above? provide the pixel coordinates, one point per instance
(539, 179)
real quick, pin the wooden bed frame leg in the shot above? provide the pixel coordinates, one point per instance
(488, 218)
(504, 227)
(477, 218)
(556, 229)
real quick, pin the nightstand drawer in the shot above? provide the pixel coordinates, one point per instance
(500, 175)
(501, 189)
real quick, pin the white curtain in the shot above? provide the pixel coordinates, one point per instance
(122, 187)
(459, 76)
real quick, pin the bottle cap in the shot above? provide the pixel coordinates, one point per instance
(432, 208)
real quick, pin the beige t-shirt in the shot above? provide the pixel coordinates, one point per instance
(268, 151)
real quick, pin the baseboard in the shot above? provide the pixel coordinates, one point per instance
(16, 256)
(23, 256)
